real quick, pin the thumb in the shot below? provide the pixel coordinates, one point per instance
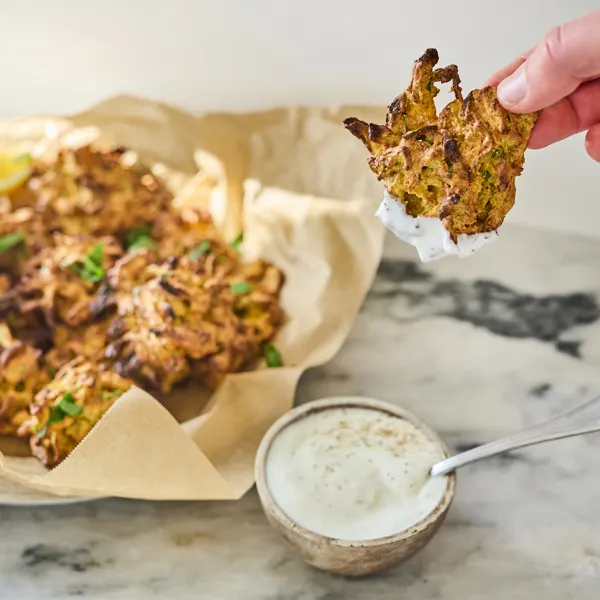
(567, 56)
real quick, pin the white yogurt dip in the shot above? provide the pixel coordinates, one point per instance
(428, 234)
(354, 473)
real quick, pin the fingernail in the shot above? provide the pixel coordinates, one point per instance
(512, 90)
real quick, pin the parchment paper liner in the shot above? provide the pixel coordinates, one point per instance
(298, 184)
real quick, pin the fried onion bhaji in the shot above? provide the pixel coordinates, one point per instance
(97, 192)
(460, 165)
(22, 374)
(89, 341)
(202, 314)
(68, 407)
(62, 279)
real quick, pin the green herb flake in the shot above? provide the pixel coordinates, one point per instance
(91, 269)
(135, 234)
(430, 86)
(486, 175)
(272, 356)
(237, 243)
(56, 415)
(498, 152)
(68, 406)
(139, 238)
(96, 255)
(241, 287)
(10, 240)
(202, 249)
(142, 242)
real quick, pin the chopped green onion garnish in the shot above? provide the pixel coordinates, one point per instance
(201, 249)
(57, 413)
(91, 269)
(139, 238)
(68, 406)
(143, 242)
(239, 240)
(10, 240)
(272, 356)
(486, 175)
(241, 287)
(96, 254)
(135, 234)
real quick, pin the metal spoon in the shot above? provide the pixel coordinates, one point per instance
(577, 421)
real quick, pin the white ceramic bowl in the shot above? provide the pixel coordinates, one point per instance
(350, 558)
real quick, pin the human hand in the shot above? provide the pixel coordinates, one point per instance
(560, 75)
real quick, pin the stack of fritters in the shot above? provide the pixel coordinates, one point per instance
(103, 283)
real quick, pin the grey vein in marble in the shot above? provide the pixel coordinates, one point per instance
(485, 303)
(478, 348)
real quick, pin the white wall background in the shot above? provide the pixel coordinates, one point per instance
(62, 55)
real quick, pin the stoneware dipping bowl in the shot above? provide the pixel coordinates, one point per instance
(342, 557)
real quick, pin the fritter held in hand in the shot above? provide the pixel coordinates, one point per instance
(21, 376)
(459, 166)
(62, 280)
(66, 409)
(196, 315)
(97, 192)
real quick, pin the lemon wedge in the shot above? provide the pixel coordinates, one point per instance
(15, 169)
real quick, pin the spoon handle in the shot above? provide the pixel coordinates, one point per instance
(577, 421)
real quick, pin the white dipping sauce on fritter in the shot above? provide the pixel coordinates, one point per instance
(354, 473)
(428, 234)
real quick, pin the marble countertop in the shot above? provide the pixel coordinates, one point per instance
(478, 348)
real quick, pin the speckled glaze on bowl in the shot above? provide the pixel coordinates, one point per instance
(342, 557)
